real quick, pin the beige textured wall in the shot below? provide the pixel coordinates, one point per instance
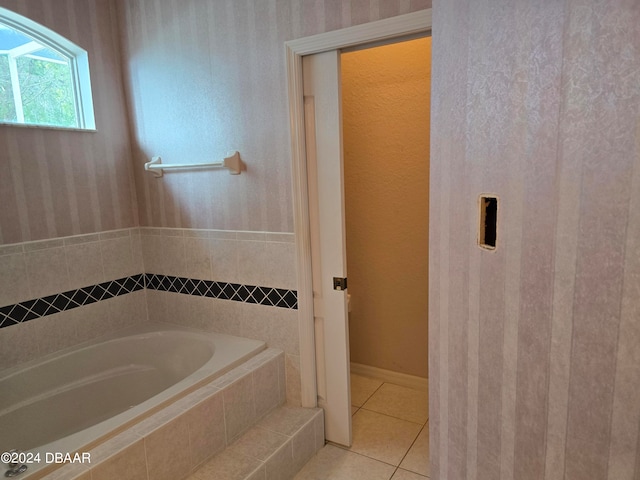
(534, 349)
(385, 97)
(206, 77)
(56, 183)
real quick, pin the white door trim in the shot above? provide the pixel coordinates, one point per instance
(399, 26)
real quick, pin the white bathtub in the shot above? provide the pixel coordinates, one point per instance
(69, 400)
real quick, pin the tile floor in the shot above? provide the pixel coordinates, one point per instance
(390, 437)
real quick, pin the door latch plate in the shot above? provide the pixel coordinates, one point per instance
(339, 283)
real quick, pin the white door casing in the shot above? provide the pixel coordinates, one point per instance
(314, 371)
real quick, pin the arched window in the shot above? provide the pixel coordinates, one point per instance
(44, 78)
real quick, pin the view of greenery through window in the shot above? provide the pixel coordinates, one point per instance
(46, 88)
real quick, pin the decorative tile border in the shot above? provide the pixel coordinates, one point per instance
(275, 297)
(61, 302)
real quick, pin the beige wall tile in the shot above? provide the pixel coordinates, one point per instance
(200, 314)
(48, 271)
(292, 373)
(177, 307)
(70, 472)
(276, 326)
(224, 260)
(78, 239)
(266, 388)
(43, 244)
(118, 258)
(123, 233)
(259, 443)
(318, 422)
(92, 320)
(167, 450)
(206, 429)
(156, 305)
(280, 465)
(251, 236)
(18, 343)
(11, 249)
(14, 282)
(288, 419)
(239, 407)
(136, 252)
(280, 265)
(84, 263)
(282, 378)
(128, 310)
(198, 258)
(304, 445)
(252, 261)
(226, 317)
(55, 332)
(231, 466)
(128, 464)
(280, 237)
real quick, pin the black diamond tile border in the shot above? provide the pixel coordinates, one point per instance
(61, 302)
(274, 297)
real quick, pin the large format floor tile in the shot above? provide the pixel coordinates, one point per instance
(382, 437)
(334, 463)
(406, 475)
(400, 402)
(417, 459)
(389, 429)
(362, 388)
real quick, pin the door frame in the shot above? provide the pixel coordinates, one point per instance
(379, 31)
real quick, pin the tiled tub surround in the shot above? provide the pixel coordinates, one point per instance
(242, 258)
(249, 258)
(61, 302)
(273, 297)
(105, 385)
(36, 270)
(175, 441)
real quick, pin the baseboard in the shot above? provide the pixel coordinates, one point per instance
(402, 379)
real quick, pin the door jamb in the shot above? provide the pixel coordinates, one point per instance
(381, 30)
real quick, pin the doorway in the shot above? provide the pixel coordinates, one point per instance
(386, 113)
(385, 110)
(311, 360)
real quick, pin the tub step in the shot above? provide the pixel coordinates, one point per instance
(276, 448)
(240, 418)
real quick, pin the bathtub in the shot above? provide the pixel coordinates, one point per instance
(71, 400)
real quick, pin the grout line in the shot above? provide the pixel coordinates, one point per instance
(411, 446)
(422, 424)
(348, 449)
(372, 394)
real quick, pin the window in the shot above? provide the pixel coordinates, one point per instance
(44, 78)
